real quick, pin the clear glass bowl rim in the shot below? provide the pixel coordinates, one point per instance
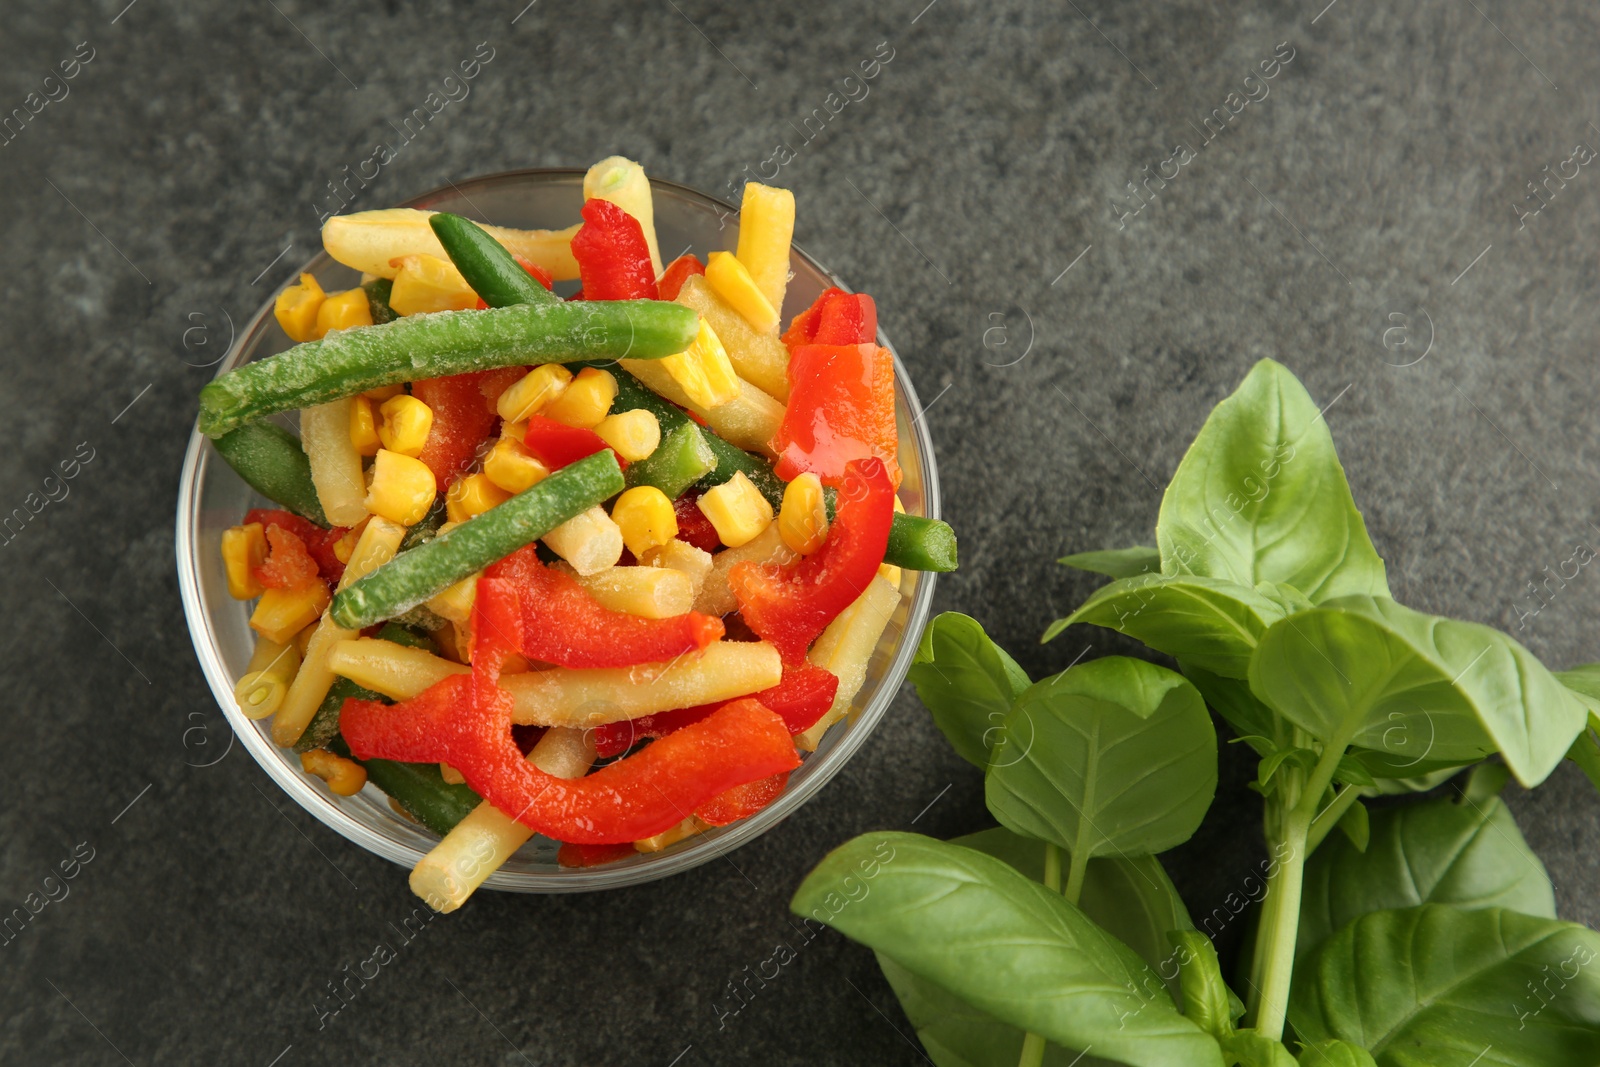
(838, 744)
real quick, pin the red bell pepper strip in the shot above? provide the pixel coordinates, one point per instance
(679, 271)
(693, 526)
(574, 855)
(556, 444)
(836, 318)
(564, 625)
(841, 407)
(464, 724)
(742, 801)
(318, 542)
(288, 565)
(803, 696)
(463, 415)
(613, 258)
(792, 606)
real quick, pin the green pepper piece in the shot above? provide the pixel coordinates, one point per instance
(681, 459)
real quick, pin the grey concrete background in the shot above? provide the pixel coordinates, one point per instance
(1380, 175)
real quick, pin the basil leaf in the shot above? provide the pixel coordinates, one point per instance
(1369, 671)
(1250, 1049)
(1111, 756)
(1209, 622)
(974, 926)
(1255, 723)
(1206, 997)
(1131, 898)
(1584, 682)
(1116, 562)
(955, 1034)
(1260, 496)
(1335, 1054)
(1431, 851)
(1356, 825)
(967, 682)
(1436, 986)
(1585, 752)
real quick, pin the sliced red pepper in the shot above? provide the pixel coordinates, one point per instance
(556, 444)
(318, 542)
(539, 274)
(459, 723)
(613, 257)
(679, 271)
(841, 407)
(693, 526)
(574, 855)
(743, 801)
(791, 606)
(564, 625)
(801, 697)
(288, 565)
(463, 415)
(835, 318)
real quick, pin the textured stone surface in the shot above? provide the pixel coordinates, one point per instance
(195, 145)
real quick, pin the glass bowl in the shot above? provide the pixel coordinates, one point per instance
(211, 498)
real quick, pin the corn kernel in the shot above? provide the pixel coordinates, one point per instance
(537, 388)
(344, 777)
(363, 426)
(704, 370)
(405, 424)
(472, 495)
(427, 283)
(586, 400)
(296, 309)
(346, 545)
(803, 519)
(451, 775)
(344, 311)
(243, 548)
(733, 283)
(737, 510)
(282, 613)
(646, 517)
(402, 488)
(634, 434)
(512, 467)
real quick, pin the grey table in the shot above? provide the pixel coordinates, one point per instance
(1365, 208)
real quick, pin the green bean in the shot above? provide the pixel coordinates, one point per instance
(681, 459)
(445, 342)
(420, 573)
(486, 265)
(269, 459)
(419, 788)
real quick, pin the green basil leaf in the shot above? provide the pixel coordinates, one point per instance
(1260, 497)
(1255, 723)
(1585, 752)
(1210, 622)
(1388, 768)
(1584, 682)
(1111, 756)
(1432, 851)
(1116, 562)
(974, 926)
(1370, 671)
(1250, 1049)
(955, 1034)
(967, 682)
(1206, 997)
(1335, 1054)
(1436, 986)
(1356, 825)
(1130, 897)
